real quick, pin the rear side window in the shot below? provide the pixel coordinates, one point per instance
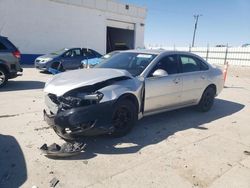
(192, 64)
(96, 53)
(88, 53)
(8, 44)
(2, 47)
(203, 66)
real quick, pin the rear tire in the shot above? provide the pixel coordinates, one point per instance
(124, 118)
(207, 100)
(81, 66)
(3, 77)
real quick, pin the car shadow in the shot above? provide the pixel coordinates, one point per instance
(28, 66)
(15, 85)
(154, 129)
(44, 72)
(13, 171)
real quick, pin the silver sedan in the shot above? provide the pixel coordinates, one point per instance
(112, 96)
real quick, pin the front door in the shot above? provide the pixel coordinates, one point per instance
(72, 59)
(163, 92)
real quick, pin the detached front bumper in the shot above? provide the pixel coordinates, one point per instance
(86, 121)
(40, 66)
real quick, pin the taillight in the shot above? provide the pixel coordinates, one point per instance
(17, 54)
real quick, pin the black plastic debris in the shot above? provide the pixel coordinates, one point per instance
(54, 182)
(65, 150)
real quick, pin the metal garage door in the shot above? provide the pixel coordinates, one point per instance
(120, 36)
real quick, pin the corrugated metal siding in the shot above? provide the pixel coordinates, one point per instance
(218, 55)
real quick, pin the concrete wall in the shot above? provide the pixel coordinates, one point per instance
(42, 26)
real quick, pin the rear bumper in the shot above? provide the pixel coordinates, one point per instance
(14, 73)
(86, 121)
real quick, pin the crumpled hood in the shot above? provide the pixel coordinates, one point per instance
(64, 82)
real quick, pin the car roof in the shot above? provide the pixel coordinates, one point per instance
(3, 37)
(146, 51)
(159, 51)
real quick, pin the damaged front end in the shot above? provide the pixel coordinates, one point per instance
(87, 110)
(79, 114)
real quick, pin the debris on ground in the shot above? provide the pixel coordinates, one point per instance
(65, 150)
(247, 152)
(85, 162)
(8, 116)
(43, 128)
(229, 164)
(54, 182)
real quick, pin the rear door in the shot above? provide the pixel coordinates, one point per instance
(72, 58)
(163, 92)
(195, 78)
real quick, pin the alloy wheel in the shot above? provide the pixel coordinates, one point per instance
(121, 118)
(2, 77)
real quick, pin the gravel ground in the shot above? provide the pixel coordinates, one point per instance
(182, 148)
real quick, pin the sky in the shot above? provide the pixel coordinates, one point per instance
(171, 22)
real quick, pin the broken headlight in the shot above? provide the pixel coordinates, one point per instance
(80, 99)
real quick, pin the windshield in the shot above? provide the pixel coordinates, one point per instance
(134, 63)
(109, 55)
(59, 52)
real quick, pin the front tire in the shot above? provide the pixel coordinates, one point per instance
(3, 77)
(207, 100)
(124, 118)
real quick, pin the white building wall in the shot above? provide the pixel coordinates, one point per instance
(42, 26)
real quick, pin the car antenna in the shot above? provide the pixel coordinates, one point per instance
(87, 58)
(1, 29)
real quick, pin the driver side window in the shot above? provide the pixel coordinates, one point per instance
(168, 63)
(73, 53)
(68, 53)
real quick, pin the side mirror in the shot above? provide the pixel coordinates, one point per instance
(160, 73)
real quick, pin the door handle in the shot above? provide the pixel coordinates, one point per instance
(203, 77)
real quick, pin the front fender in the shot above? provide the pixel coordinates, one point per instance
(133, 87)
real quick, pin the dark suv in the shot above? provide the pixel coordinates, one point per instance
(9, 61)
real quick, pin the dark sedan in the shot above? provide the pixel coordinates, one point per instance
(65, 59)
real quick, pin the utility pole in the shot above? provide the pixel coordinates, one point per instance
(196, 17)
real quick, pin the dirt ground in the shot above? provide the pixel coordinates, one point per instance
(178, 149)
